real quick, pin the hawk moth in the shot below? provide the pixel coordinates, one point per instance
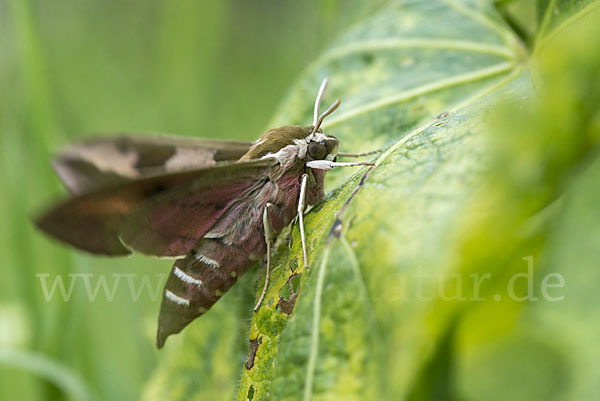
(215, 206)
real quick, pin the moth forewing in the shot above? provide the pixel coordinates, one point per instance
(172, 223)
(163, 215)
(104, 162)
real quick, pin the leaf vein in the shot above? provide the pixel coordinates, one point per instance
(484, 20)
(314, 343)
(416, 43)
(420, 129)
(360, 281)
(564, 25)
(421, 90)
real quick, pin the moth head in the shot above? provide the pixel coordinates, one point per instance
(311, 142)
(319, 146)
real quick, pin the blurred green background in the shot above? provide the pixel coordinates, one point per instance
(73, 69)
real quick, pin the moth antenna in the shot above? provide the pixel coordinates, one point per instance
(318, 100)
(327, 112)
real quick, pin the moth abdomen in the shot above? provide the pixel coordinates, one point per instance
(197, 282)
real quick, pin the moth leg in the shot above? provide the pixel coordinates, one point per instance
(301, 204)
(269, 240)
(328, 165)
(344, 154)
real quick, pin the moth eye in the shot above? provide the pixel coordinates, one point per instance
(317, 151)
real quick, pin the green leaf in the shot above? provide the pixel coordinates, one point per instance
(465, 186)
(443, 201)
(413, 78)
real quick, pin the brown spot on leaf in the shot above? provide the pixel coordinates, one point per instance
(289, 294)
(252, 354)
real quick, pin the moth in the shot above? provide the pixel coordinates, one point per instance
(214, 206)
